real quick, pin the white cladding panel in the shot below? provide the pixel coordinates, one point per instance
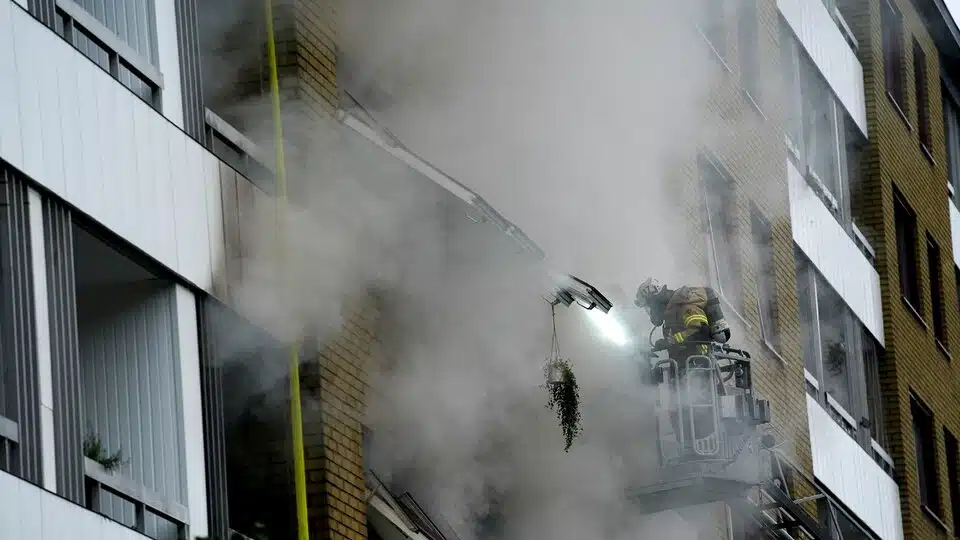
(75, 130)
(168, 55)
(836, 59)
(852, 475)
(955, 231)
(28, 512)
(834, 253)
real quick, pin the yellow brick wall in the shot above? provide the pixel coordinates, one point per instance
(913, 361)
(751, 150)
(333, 431)
(753, 153)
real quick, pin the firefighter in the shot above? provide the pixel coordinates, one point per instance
(688, 314)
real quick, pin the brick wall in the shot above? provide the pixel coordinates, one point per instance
(913, 361)
(751, 151)
(333, 428)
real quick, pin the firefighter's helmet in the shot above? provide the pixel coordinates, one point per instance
(647, 291)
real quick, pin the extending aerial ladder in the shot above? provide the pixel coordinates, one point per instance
(714, 442)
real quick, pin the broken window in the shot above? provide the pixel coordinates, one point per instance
(720, 207)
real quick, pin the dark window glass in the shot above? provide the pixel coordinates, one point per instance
(906, 226)
(892, 52)
(925, 445)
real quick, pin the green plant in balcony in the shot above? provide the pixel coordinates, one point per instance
(94, 449)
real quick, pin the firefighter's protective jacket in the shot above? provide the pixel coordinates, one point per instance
(685, 316)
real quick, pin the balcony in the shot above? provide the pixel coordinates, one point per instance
(27, 511)
(853, 476)
(828, 40)
(836, 255)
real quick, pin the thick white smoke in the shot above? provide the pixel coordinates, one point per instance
(573, 119)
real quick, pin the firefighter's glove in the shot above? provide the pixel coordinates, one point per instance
(661, 345)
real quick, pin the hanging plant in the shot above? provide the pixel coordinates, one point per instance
(564, 398)
(561, 383)
(94, 449)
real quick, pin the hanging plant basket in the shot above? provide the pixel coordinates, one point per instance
(564, 398)
(562, 386)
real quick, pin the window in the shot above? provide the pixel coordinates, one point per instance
(841, 358)
(924, 438)
(906, 225)
(748, 45)
(119, 36)
(835, 344)
(133, 21)
(936, 290)
(790, 55)
(953, 476)
(247, 458)
(712, 25)
(956, 279)
(951, 122)
(112, 363)
(923, 108)
(893, 52)
(823, 139)
(766, 277)
(720, 207)
(808, 318)
(872, 358)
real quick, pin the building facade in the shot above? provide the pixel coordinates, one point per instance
(133, 162)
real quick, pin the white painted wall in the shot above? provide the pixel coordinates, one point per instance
(28, 512)
(837, 61)
(192, 411)
(834, 253)
(42, 339)
(955, 231)
(168, 55)
(96, 145)
(852, 475)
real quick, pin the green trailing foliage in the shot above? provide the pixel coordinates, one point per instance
(564, 398)
(93, 448)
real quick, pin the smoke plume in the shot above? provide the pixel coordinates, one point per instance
(572, 119)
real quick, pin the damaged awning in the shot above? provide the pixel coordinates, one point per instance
(569, 289)
(398, 518)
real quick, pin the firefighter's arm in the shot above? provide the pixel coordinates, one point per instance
(719, 331)
(694, 321)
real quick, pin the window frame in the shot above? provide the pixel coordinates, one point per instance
(893, 48)
(813, 96)
(907, 231)
(950, 101)
(73, 22)
(952, 453)
(712, 26)
(922, 97)
(748, 38)
(937, 307)
(857, 421)
(713, 178)
(766, 283)
(925, 454)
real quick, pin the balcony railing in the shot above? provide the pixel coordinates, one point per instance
(145, 502)
(9, 445)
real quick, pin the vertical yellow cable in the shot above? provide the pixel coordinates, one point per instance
(296, 412)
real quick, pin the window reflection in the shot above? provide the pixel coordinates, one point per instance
(807, 318)
(834, 343)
